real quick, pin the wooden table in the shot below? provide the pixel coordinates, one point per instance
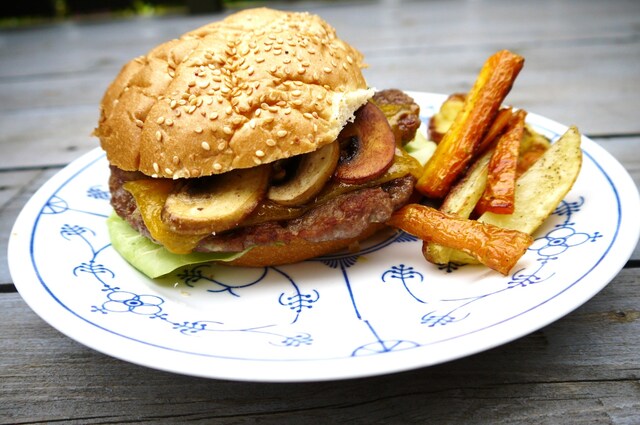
(582, 67)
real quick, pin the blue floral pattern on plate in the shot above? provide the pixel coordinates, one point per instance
(338, 308)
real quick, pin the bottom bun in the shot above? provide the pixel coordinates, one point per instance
(298, 250)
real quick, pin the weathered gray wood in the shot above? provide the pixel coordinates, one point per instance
(584, 367)
(581, 67)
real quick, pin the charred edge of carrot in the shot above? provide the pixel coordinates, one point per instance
(496, 247)
(500, 191)
(459, 144)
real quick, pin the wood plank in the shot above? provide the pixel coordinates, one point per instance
(77, 46)
(582, 369)
(46, 137)
(440, 49)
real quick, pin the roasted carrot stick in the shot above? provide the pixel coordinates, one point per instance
(500, 191)
(459, 144)
(496, 247)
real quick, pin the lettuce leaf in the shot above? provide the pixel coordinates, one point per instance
(150, 258)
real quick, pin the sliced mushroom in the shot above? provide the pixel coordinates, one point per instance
(368, 146)
(313, 171)
(216, 203)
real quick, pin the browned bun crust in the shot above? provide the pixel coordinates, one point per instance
(256, 87)
(298, 250)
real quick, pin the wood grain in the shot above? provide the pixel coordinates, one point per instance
(582, 61)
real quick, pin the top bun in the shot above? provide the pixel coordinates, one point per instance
(258, 86)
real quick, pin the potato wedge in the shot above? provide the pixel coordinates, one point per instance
(441, 121)
(460, 202)
(496, 247)
(541, 188)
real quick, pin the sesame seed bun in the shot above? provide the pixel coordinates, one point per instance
(258, 86)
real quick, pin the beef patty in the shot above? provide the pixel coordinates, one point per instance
(342, 217)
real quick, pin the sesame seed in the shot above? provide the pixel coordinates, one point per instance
(203, 84)
(301, 70)
(225, 89)
(192, 83)
(258, 161)
(286, 110)
(160, 120)
(327, 69)
(222, 145)
(258, 112)
(296, 93)
(139, 123)
(282, 133)
(182, 102)
(158, 136)
(169, 122)
(198, 130)
(350, 59)
(307, 115)
(168, 171)
(252, 124)
(250, 70)
(213, 116)
(205, 146)
(217, 167)
(175, 160)
(154, 176)
(191, 109)
(156, 168)
(173, 104)
(227, 130)
(270, 142)
(259, 59)
(259, 153)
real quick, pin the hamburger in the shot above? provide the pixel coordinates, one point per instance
(255, 140)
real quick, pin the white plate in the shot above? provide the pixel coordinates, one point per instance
(342, 316)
